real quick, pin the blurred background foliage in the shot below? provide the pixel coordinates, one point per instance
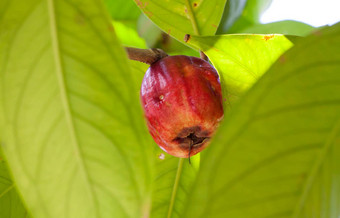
(240, 16)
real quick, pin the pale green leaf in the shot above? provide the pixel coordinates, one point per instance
(287, 27)
(11, 205)
(73, 132)
(241, 59)
(181, 17)
(278, 153)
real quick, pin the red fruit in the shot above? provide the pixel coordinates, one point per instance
(182, 102)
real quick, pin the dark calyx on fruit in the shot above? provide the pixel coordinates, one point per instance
(191, 136)
(182, 102)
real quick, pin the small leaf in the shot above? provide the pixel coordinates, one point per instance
(241, 59)
(73, 127)
(181, 17)
(278, 153)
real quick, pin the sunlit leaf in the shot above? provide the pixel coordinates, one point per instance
(73, 132)
(241, 59)
(181, 17)
(278, 153)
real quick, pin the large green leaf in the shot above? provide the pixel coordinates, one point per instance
(278, 152)
(73, 132)
(181, 17)
(10, 203)
(241, 59)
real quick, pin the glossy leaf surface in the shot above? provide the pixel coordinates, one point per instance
(73, 132)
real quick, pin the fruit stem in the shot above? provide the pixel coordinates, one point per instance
(202, 55)
(148, 56)
(190, 146)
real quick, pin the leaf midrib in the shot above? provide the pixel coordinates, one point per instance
(192, 17)
(65, 100)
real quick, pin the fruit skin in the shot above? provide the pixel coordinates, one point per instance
(182, 102)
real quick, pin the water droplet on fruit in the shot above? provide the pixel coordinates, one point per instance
(161, 156)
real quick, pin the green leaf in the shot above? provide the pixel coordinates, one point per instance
(241, 59)
(254, 9)
(233, 10)
(181, 17)
(278, 153)
(127, 34)
(250, 15)
(73, 132)
(287, 27)
(148, 31)
(122, 10)
(10, 203)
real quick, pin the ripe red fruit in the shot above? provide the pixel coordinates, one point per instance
(182, 102)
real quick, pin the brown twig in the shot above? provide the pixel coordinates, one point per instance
(148, 56)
